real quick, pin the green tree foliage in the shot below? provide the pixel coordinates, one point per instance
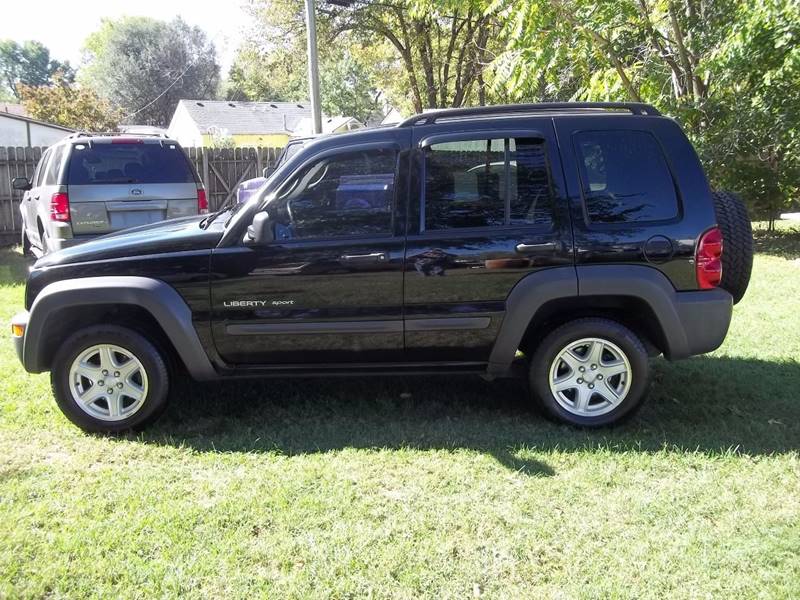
(272, 64)
(65, 104)
(144, 66)
(29, 64)
(417, 53)
(753, 143)
(729, 71)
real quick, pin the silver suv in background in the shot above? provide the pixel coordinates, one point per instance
(88, 185)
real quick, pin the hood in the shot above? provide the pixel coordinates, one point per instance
(175, 235)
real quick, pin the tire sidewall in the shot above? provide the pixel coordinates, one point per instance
(152, 361)
(605, 329)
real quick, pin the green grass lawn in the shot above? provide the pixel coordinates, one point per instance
(406, 488)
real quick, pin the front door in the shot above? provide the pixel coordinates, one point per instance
(328, 289)
(489, 211)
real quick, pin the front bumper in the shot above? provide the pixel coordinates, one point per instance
(19, 323)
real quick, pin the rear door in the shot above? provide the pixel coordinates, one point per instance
(121, 183)
(488, 210)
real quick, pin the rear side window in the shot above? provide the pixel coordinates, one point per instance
(487, 183)
(107, 163)
(38, 176)
(51, 175)
(625, 177)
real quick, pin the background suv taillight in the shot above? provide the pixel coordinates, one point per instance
(708, 259)
(202, 201)
(59, 207)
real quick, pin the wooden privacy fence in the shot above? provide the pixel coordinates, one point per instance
(221, 169)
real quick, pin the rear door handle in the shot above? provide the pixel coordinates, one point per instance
(525, 248)
(374, 257)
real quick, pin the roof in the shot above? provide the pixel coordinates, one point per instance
(305, 126)
(246, 117)
(14, 109)
(35, 121)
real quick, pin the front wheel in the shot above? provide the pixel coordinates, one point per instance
(589, 372)
(108, 379)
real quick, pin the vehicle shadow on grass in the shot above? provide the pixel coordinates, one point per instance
(706, 404)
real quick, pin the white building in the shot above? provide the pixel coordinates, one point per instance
(20, 130)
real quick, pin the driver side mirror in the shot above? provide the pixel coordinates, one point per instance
(262, 230)
(21, 183)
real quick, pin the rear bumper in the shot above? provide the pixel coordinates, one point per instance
(20, 320)
(705, 317)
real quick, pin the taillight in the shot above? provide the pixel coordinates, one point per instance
(202, 202)
(59, 207)
(708, 260)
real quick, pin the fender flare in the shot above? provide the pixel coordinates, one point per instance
(159, 299)
(673, 310)
(522, 304)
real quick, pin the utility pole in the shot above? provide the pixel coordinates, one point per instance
(313, 69)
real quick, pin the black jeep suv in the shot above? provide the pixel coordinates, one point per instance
(571, 240)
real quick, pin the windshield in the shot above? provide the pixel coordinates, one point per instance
(104, 163)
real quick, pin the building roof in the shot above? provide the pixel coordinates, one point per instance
(305, 126)
(36, 121)
(233, 118)
(14, 109)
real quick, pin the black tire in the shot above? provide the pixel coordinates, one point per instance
(737, 235)
(610, 331)
(26, 244)
(155, 400)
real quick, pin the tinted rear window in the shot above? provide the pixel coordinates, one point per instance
(625, 177)
(128, 163)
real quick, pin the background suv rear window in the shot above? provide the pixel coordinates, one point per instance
(625, 177)
(128, 163)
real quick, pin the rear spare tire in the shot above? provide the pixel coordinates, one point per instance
(737, 235)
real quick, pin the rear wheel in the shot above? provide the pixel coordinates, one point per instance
(109, 379)
(737, 236)
(589, 372)
(25, 243)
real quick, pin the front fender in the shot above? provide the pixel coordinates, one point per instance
(159, 299)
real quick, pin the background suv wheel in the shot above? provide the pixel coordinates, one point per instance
(589, 372)
(109, 379)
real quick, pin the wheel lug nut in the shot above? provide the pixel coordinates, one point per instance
(116, 373)
(600, 377)
(580, 380)
(110, 390)
(101, 383)
(594, 367)
(581, 369)
(105, 372)
(119, 385)
(591, 386)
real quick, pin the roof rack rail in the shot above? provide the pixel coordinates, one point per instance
(636, 108)
(80, 134)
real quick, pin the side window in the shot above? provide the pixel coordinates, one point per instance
(625, 177)
(487, 183)
(346, 195)
(531, 192)
(38, 176)
(463, 184)
(51, 175)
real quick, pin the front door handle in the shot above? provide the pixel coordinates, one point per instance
(525, 248)
(374, 257)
